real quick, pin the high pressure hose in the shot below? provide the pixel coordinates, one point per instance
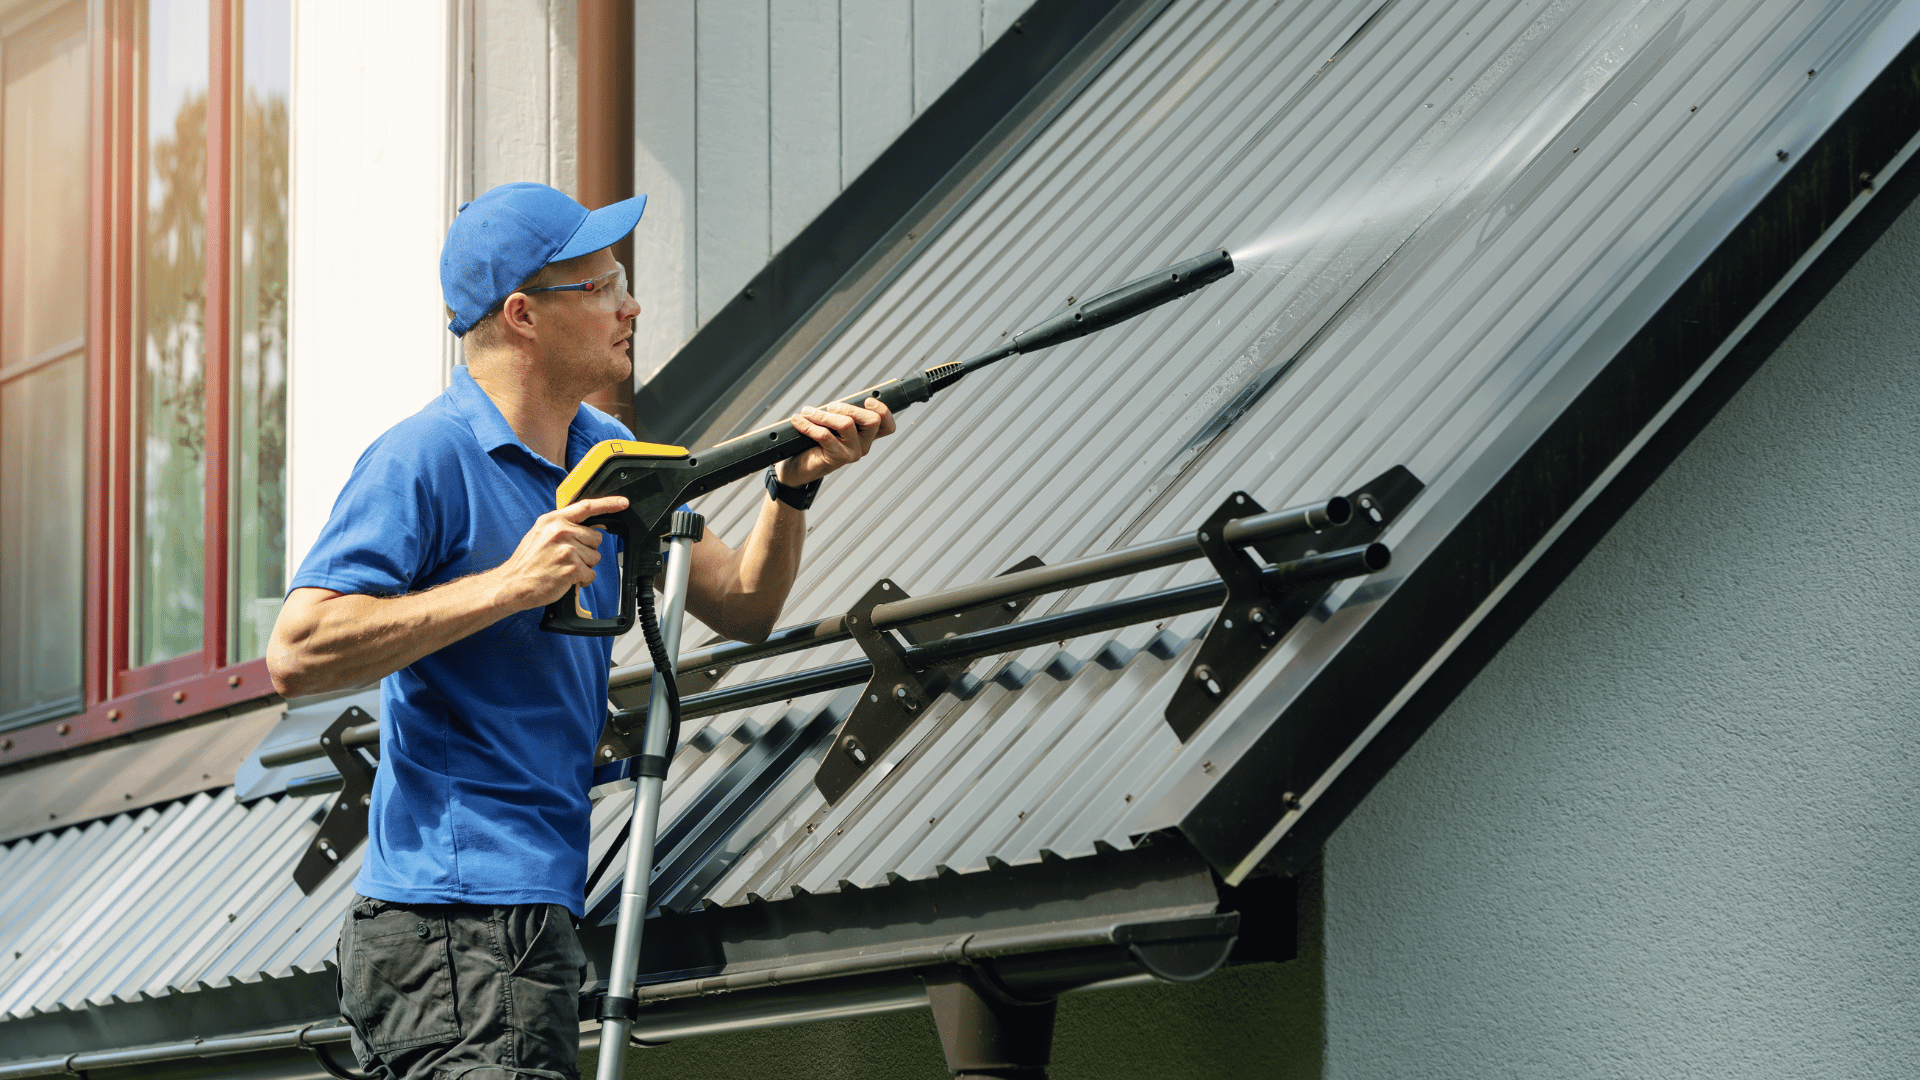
(662, 666)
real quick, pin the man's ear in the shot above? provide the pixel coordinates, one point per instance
(517, 316)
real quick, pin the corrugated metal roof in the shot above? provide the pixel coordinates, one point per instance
(192, 894)
(1483, 199)
(1473, 201)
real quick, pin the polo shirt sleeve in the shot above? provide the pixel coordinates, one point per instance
(383, 537)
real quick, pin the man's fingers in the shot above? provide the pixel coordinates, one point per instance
(586, 508)
(834, 419)
(585, 555)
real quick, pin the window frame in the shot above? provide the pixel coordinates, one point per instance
(116, 699)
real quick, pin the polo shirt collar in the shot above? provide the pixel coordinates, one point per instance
(492, 430)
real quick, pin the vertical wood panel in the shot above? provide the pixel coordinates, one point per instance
(804, 74)
(733, 217)
(996, 16)
(946, 38)
(563, 95)
(876, 79)
(664, 170)
(512, 97)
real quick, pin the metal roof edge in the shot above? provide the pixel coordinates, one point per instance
(207, 1013)
(1450, 614)
(906, 924)
(876, 225)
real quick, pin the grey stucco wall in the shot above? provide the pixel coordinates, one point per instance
(1673, 829)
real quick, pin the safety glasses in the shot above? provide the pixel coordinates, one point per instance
(609, 289)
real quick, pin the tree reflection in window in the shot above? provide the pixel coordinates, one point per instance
(172, 472)
(260, 302)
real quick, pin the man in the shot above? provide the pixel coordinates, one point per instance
(459, 957)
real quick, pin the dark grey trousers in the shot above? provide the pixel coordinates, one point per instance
(462, 991)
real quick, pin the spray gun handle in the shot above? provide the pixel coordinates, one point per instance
(568, 616)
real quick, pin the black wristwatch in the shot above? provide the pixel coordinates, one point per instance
(800, 498)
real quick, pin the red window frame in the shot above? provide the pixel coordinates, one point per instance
(118, 700)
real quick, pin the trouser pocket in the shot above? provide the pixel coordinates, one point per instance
(397, 976)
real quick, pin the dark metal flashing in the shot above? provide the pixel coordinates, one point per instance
(859, 929)
(269, 1004)
(1439, 596)
(828, 273)
(1035, 930)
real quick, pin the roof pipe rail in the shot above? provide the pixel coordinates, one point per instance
(1006, 588)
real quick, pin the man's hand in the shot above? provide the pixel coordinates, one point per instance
(555, 555)
(843, 434)
(324, 640)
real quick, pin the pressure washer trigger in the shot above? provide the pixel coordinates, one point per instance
(604, 470)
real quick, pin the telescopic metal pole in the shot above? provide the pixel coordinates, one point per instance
(687, 528)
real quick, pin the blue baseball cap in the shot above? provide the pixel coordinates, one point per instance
(502, 238)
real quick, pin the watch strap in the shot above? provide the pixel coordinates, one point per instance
(800, 498)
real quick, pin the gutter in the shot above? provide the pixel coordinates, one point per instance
(1181, 949)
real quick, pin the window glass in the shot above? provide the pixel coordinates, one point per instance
(43, 295)
(260, 315)
(170, 408)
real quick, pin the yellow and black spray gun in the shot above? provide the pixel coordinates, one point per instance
(657, 479)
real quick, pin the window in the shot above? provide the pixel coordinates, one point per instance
(143, 313)
(43, 360)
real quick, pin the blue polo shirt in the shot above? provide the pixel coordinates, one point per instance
(486, 749)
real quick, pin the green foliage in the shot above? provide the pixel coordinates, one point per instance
(172, 394)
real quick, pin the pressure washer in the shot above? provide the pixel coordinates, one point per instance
(657, 480)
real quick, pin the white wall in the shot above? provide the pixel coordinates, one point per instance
(1673, 829)
(371, 148)
(753, 114)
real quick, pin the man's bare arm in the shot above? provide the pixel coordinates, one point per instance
(740, 591)
(324, 640)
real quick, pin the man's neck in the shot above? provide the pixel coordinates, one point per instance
(538, 413)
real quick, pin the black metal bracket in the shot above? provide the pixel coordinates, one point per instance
(897, 694)
(1254, 617)
(616, 744)
(345, 826)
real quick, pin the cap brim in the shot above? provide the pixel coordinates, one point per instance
(604, 227)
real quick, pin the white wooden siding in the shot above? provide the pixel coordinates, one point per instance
(753, 114)
(524, 104)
